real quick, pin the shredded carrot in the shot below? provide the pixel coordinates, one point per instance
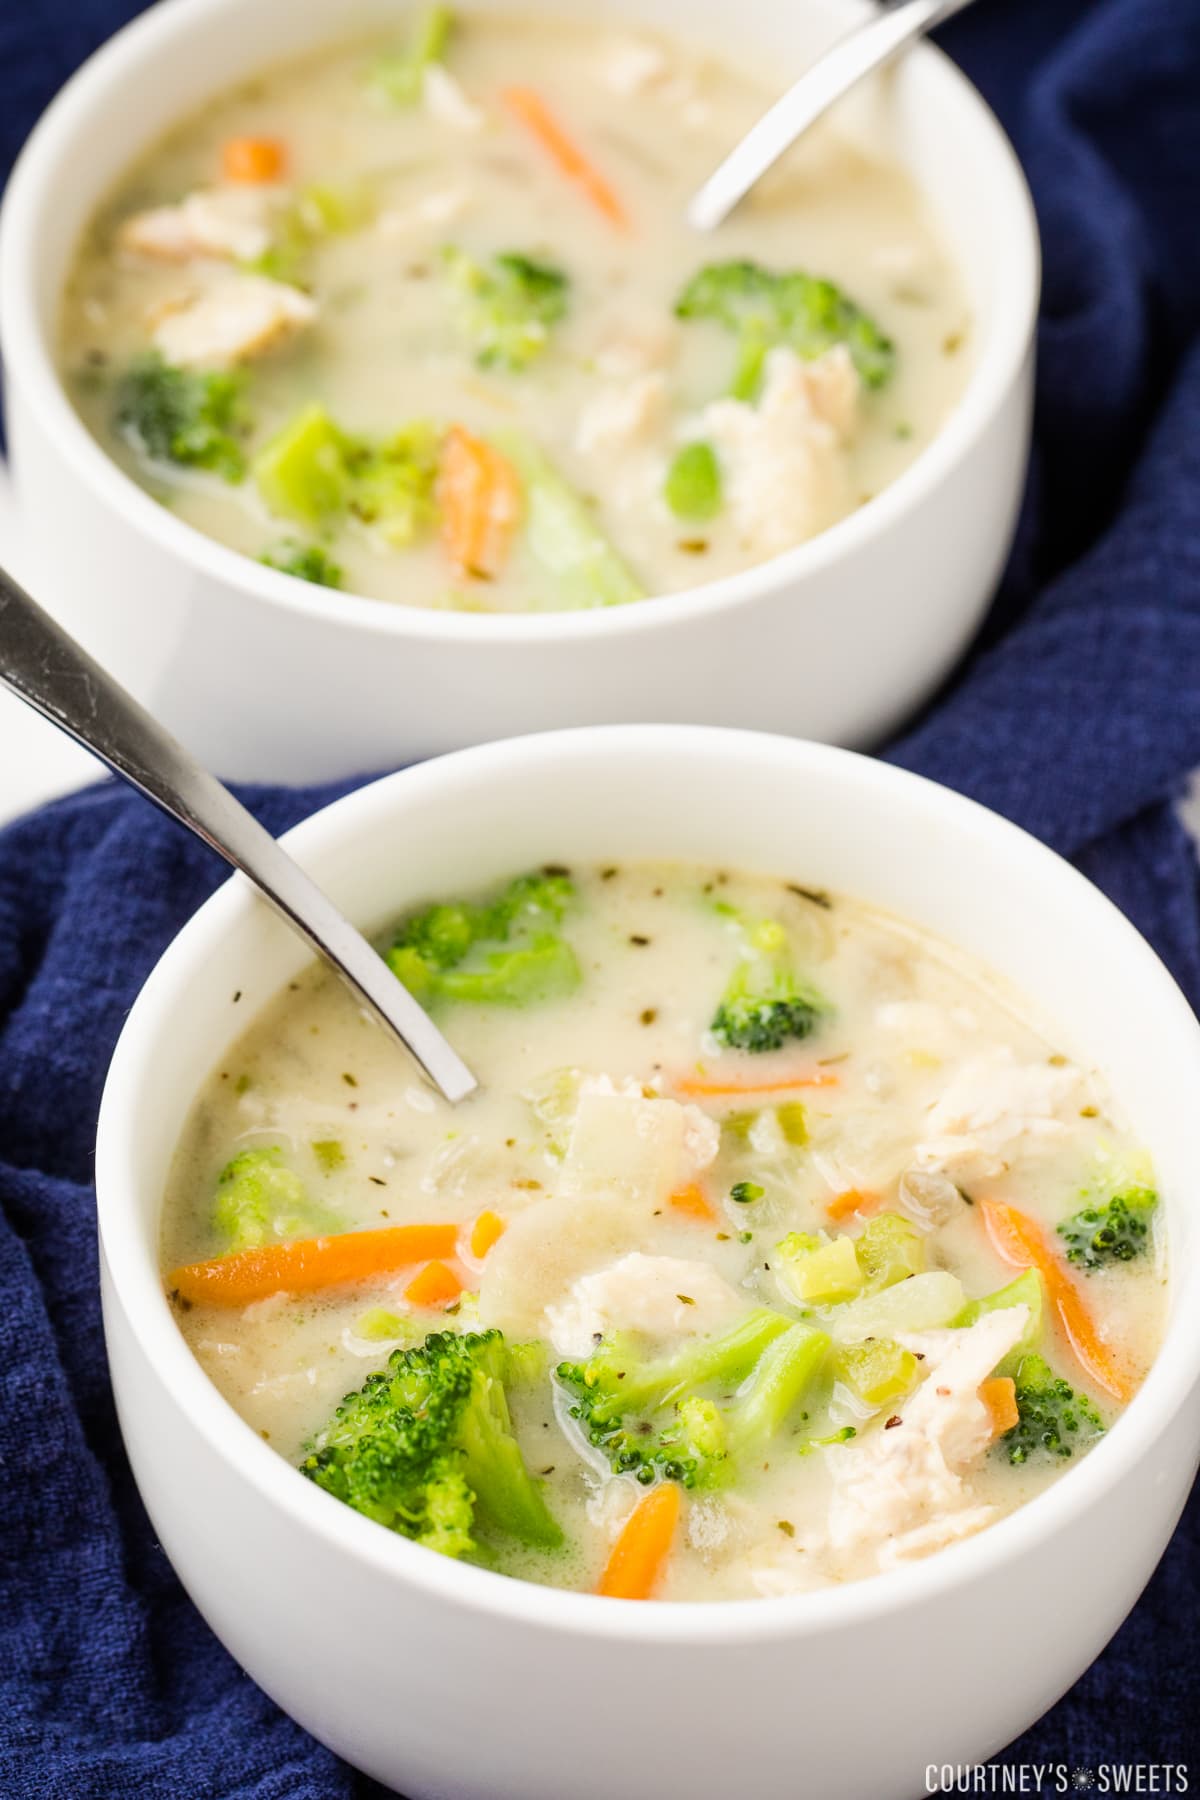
(479, 494)
(1020, 1241)
(435, 1285)
(309, 1263)
(488, 1227)
(691, 1202)
(252, 159)
(638, 1557)
(852, 1200)
(701, 1087)
(528, 107)
(999, 1396)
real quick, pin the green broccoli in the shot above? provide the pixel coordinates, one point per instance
(1053, 1419)
(654, 1420)
(508, 951)
(506, 310)
(1116, 1231)
(765, 1002)
(400, 76)
(426, 1447)
(261, 1201)
(764, 309)
(392, 483)
(314, 472)
(181, 416)
(307, 562)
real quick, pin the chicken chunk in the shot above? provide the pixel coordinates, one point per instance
(623, 417)
(231, 320)
(236, 224)
(446, 102)
(784, 460)
(989, 1104)
(662, 1296)
(901, 1491)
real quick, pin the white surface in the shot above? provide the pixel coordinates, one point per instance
(36, 761)
(382, 1649)
(262, 675)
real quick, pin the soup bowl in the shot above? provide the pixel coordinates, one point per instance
(266, 676)
(386, 1651)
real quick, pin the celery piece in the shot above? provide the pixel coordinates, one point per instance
(400, 76)
(877, 1372)
(921, 1303)
(793, 1122)
(890, 1249)
(692, 488)
(563, 535)
(303, 472)
(819, 1270)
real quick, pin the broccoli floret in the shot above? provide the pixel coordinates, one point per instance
(504, 952)
(1117, 1231)
(181, 416)
(261, 1201)
(392, 484)
(765, 1002)
(690, 1417)
(314, 472)
(1054, 1420)
(400, 76)
(506, 309)
(764, 309)
(307, 562)
(426, 1448)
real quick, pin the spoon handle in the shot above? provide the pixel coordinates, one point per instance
(53, 674)
(832, 75)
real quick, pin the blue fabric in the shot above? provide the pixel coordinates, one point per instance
(1079, 716)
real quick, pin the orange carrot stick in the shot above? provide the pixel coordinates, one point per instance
(701, 1086)
(639, 1555)
(488, 1227)
(252, 159)
(309, 1263)
(436, 1285)
(528, 107)
(999, 1396)
(851, 1200)
(1019, 1241)
(691, 1202)
(479, 495)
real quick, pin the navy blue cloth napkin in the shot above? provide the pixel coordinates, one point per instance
(1079, 716)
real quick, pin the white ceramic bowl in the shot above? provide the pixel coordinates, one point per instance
(264, 676)
(454, 1682)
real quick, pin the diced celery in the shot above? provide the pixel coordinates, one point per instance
(303, 472)
(564, 537)
(820, 1271)
(890, 1249)
(876, 1372)
(922, 1303)
(400, 76)
(793, 1122)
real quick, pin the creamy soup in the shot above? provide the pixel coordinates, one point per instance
(423, 320)
(777, 1248)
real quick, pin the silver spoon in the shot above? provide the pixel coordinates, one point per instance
(56, 676)
(832, 75)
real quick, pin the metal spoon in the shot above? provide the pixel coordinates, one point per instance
(832, 75)
(56, 676)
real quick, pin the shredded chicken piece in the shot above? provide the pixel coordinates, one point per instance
(634, 343)
(989, 1103)
(662, 1296)
(784, 464)
(445, 206)
(622, 418)
(446, 102)
(231, 320)
(234, 223)
(900, 1491)
(631, 65)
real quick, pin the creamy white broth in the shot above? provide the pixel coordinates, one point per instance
(621, 383)
(907, 1020)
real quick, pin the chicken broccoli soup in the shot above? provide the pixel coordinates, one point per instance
(778, 1246)
(423, 320)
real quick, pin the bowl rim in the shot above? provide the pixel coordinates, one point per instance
(79, 108)
(132, 1267)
